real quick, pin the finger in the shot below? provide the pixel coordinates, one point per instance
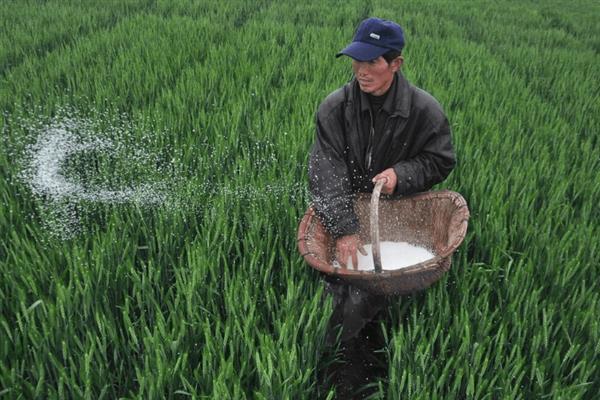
(355, 260)
(362, 250)
(381, 177)
(389, 185)
(342, 259)
(384, 188)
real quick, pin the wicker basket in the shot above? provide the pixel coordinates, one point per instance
(435, 220)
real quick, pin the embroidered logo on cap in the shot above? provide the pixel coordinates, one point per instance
(374, 36)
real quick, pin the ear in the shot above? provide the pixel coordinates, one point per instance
(396, 63)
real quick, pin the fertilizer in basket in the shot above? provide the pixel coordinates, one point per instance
(394, 255)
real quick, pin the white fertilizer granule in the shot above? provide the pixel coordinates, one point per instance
(394, 255)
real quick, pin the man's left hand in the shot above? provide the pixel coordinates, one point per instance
(389, 175)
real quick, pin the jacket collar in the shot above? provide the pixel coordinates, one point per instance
(398, 101)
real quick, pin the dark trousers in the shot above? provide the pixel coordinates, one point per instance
(360, 358)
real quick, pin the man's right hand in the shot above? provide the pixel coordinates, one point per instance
(346, 247)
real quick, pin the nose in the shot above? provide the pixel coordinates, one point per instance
(361, 68)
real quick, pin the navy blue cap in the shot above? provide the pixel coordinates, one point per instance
(373, 38)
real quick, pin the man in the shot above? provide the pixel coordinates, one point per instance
(377, 126)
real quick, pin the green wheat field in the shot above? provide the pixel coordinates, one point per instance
(153, 170)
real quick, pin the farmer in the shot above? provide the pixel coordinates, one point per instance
(377, 126)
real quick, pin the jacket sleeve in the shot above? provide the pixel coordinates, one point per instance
(329, 179)
(432, 164)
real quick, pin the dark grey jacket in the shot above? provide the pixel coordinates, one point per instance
(347, 153)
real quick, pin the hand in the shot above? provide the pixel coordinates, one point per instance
(391, 179)
(346, 247)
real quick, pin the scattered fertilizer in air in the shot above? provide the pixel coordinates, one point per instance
(76, 166)
(73, 167)
(394, 255)
(48, 156)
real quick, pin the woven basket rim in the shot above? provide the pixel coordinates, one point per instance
(415, 269)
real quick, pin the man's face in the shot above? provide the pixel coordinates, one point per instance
(376, 76)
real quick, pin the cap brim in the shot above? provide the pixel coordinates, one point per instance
(361, 51)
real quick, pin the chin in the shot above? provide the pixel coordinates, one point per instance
(366, 89)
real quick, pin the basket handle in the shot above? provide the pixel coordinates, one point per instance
(376, 248)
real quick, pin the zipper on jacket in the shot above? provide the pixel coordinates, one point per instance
(370, 145)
